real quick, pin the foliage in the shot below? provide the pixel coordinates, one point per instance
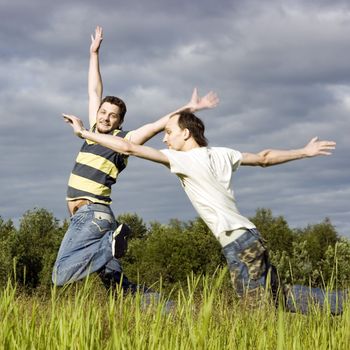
(335, 265)
(318, 238)
(275, 231)
(313, 255)
(300, 254)
(28, 253)
(136, 224)
(172, 252)
(37, 243)
(7, 236)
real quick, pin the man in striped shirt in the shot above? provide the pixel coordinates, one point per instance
(94, 240)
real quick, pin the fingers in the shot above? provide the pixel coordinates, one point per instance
(212, 98)
(69, 118)
(325, 147)
(194, 96)
(327, 144)
(322, 144)
(324, 153)
(98, 34)
(66, 118)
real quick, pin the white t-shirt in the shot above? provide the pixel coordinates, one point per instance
(205, 174)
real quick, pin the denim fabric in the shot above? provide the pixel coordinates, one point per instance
(86, 246)
(249, 266)
(247, 261)
(303, 299)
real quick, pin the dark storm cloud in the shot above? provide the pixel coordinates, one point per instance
(280, 68)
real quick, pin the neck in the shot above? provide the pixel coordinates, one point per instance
(190, 144)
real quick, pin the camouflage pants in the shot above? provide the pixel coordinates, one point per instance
(254, 278)
(249, 266)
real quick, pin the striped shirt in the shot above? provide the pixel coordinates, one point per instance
(96, 169)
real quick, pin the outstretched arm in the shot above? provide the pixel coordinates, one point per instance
(116, 143)
(147, 131)
(95, 86)
(273, 157)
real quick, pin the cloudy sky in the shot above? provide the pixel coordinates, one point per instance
(280, 68)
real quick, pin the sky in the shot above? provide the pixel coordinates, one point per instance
(280, 68)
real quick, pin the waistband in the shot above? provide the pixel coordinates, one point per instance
(227, 237)
(74, 206)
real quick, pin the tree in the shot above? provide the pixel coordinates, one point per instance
(7, 236)
(318, 238)
(36, 246)
(335, 265)
(275, 231)
(299, 255)
(136, 224)
(173, 251)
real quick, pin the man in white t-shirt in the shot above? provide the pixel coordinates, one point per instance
(205, 175)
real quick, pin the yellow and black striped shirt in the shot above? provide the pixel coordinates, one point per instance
(95, 171)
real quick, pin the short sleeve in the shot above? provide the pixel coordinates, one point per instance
(123, 134)
(179, 161)
(128, 135)
(235, 159)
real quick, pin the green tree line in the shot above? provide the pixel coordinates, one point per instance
(315, 255)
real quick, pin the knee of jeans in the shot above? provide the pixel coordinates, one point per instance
(57, 281)
(57, 278)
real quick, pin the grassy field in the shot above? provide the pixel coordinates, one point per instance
(203, 316)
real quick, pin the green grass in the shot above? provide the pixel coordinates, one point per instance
(204, 316)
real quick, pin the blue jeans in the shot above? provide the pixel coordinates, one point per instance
(251, 270)
(86, 246)
(302, 299)
(248, 262)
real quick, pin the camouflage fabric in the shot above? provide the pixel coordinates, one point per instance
(248, 262)
(254, 257)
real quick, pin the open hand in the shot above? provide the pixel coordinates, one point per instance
(210, 100)
(97, 40)
(75, 123)
(316, 147)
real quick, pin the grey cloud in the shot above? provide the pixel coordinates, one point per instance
(280, 69)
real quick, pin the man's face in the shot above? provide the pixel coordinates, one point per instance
(108, 118)
(174, 136)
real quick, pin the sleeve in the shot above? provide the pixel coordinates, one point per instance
(122, 158)
(235, 159)
(128, 135)
(179, 161)
(123, 134)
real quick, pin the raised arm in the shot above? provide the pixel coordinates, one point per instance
(270, 157)
(95, 86)
(147, 131)
(116, 143)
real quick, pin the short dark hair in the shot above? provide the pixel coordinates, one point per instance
(195, 126)
(118, 102)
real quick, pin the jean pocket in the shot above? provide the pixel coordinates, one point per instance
(103, 221)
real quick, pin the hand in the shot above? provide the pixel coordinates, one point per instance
(317, 148)
(97, 40)
(197, 103)
(76, 124)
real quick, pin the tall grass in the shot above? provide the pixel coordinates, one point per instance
(203, 316)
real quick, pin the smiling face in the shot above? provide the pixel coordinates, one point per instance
(175, 137)
(108, 118)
